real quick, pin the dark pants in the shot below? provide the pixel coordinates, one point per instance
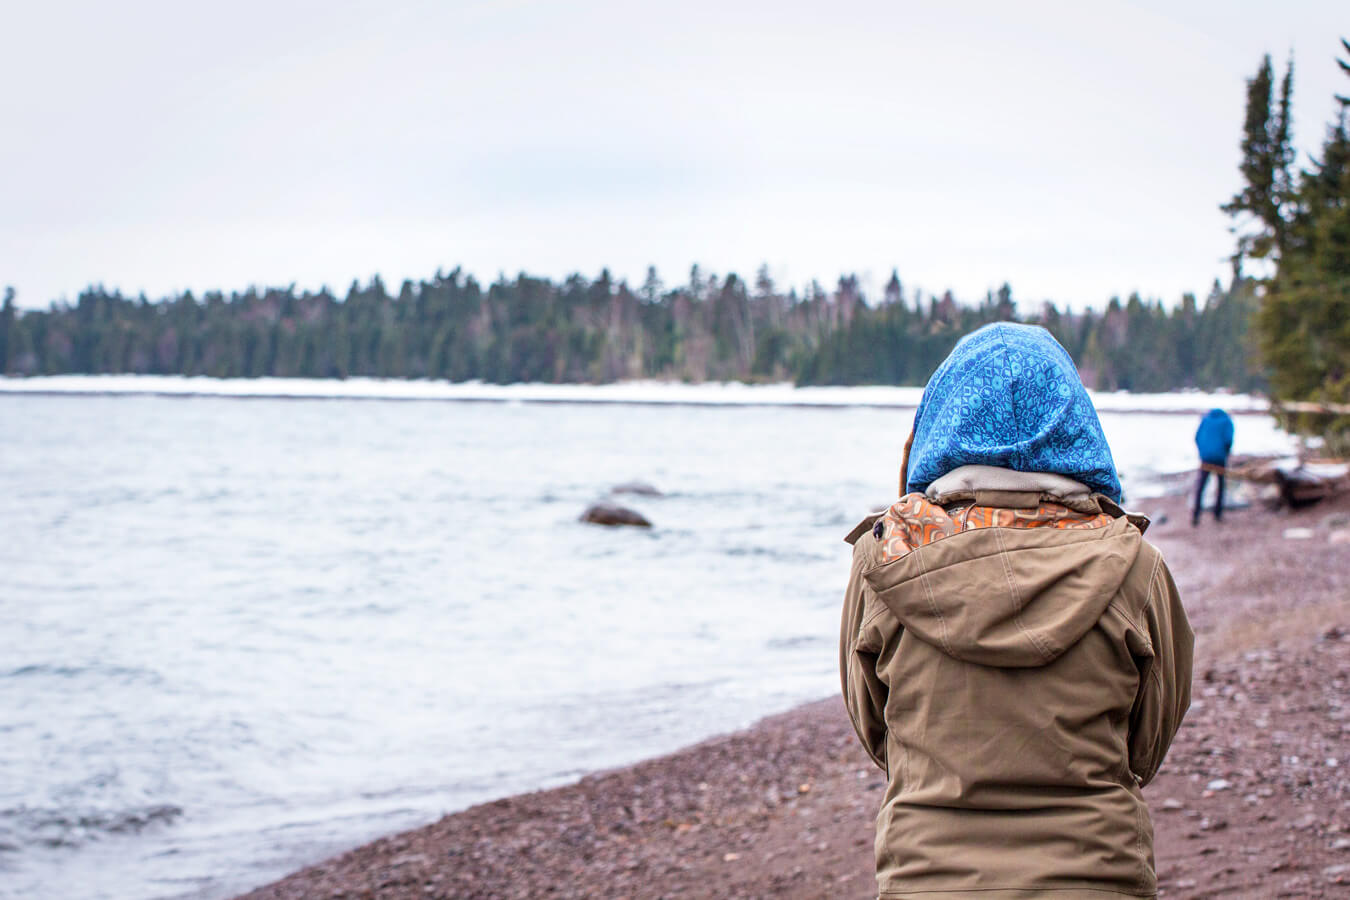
(1200, 493)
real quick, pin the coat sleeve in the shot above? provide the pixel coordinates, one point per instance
(859, 647)
(1165, 677)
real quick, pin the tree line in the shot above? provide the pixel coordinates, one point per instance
(530, 329)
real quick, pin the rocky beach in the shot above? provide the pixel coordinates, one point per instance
(1251, 802)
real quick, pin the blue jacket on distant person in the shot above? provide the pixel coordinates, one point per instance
(1214, 437)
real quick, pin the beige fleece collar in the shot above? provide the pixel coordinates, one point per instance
(966, 480)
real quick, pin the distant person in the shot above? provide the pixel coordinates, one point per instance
(1214, 440)
(1013, 653)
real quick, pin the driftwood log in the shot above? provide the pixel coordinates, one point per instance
(1299, 484)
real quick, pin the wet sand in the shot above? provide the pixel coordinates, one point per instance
(1253, 800)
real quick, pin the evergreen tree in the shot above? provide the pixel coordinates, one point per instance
(1266, 158)
(1304, 320)
(6, 326)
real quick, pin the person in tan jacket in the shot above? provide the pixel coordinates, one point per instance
(1013, 653)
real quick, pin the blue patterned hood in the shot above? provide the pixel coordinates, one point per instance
(1010, 396)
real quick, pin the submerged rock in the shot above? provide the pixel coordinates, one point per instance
(640, 488)
(613, 514)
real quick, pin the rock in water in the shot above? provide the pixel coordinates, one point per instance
(640, 488)
(612, 514)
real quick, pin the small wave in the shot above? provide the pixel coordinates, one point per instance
(792, 643)
(70, 828)
(786, 554)
(56, 670)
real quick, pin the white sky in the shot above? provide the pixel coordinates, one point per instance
(1077, 150)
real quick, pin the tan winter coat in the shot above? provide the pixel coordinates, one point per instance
(1018, 662)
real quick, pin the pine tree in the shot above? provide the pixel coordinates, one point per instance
(1266, 158)
(1304, 320)
(6, 326)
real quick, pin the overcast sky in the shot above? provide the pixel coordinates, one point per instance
(1077, 150)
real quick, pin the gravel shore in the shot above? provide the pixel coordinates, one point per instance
(1253, 801)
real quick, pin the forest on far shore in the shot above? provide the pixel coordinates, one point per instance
(582, 330)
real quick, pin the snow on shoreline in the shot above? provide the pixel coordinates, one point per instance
(629, 392)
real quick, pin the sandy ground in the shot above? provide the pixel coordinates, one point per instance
(1253, 800)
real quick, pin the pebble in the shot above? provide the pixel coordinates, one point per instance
(1297, 534)
(1219, 784)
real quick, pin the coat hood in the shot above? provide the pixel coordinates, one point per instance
(1012, 596)
(1009, 395)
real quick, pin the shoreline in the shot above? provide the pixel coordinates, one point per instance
(730, 395)
(1252, 800)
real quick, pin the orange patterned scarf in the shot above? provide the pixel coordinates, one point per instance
(913, 521)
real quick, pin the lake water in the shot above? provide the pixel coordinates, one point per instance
(237, 636)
